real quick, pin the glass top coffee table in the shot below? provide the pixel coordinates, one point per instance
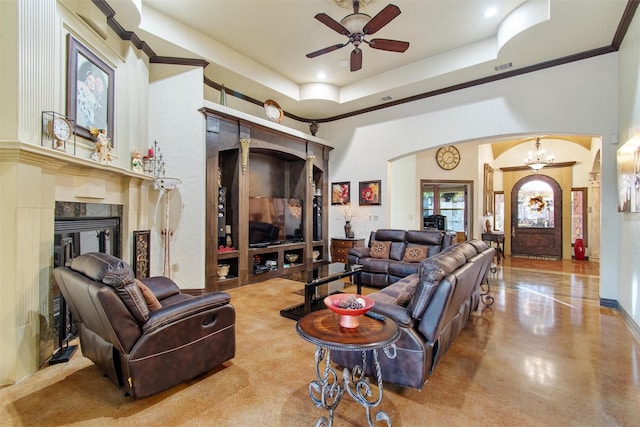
(313, 278)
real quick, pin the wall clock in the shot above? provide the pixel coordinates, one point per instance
(448, 157)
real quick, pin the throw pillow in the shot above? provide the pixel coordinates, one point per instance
(380, 249)
(149, 296)
(415, 253)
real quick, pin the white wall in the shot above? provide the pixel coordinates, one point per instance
(175, 95)
(628, 287)
(576, 98)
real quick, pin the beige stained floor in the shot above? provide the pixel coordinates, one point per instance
(545, 354)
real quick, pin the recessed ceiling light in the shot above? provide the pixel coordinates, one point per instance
(490, 11)
(321, 75)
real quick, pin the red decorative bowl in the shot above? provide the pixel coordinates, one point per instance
(349, 317)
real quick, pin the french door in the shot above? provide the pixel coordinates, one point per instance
(450, 199)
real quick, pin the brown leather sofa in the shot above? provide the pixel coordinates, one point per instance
(144, 351)
(380, 272)
(431, 307)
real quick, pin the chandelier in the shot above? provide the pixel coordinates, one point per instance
(536, 159)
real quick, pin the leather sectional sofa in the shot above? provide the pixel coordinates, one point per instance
(146, 336)
(382, 268)
(431, 307)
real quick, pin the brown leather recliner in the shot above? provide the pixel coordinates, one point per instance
(144, 351)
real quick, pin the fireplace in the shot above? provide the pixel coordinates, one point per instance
(79, 228)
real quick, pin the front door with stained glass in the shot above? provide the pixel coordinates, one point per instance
(536, 212)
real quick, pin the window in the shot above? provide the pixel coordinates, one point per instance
(498, 211)
(578, 214)
(449, 200)
(535, 205)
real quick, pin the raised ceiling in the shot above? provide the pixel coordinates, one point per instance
(258, 47)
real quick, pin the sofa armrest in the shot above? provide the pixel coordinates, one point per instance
(183, 309)
(161, 286)
(359, 252)
(395, 312)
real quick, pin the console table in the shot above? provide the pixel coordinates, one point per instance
(498, 238)
(340, 248)
(323, 329)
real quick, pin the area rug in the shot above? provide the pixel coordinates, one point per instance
(542, 257)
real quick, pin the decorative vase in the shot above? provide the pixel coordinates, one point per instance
(316, 255)
(578, 248)
(347, 229)
(223, 271)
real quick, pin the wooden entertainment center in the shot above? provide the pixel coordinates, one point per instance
(245, 160)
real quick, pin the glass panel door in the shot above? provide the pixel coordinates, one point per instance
(535, 205)
(448, 199)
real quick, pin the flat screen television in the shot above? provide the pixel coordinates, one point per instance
(274, 220)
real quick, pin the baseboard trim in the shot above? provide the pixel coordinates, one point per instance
(633, 326)
(610, 303)
(628, 320)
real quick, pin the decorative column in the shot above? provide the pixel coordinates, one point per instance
(310, 159)
(594, 211)
(244, 146)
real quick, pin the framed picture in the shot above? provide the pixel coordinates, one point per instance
(487, 195)
(340, 193)
(89, 90)
(141, 253)
(369, 193)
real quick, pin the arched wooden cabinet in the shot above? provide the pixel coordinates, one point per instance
(275, 165)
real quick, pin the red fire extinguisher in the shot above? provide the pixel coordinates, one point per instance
(578, 248)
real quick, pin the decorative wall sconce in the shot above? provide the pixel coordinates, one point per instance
(313, 127)
(244, 145)
(310, 158)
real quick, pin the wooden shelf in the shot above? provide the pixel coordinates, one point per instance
(275, 165)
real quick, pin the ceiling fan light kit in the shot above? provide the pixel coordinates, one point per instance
(348, 4)
(358, 25)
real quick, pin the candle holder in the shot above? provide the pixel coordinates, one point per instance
(153, 162)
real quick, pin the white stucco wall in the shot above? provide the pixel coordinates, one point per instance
(175, 95)
(576, 98)
(628, 287)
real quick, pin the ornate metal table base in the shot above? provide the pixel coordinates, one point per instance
(327, 391)
(485, 289)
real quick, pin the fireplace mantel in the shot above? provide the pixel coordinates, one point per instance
(51, 159)
(33, 179)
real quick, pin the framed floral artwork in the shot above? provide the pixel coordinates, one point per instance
(369, 193)
(340, 193)
(90, 91)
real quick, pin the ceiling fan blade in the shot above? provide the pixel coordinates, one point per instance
(332, 23)
(383, 17)
(356, 59)
(390, 45)
(326, 50)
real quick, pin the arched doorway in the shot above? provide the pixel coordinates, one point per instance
(536, 217)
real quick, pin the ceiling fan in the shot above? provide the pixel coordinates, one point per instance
(357, 26)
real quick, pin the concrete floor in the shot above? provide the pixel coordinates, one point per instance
(545, 354)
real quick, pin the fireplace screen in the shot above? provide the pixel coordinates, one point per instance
(79, 228)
